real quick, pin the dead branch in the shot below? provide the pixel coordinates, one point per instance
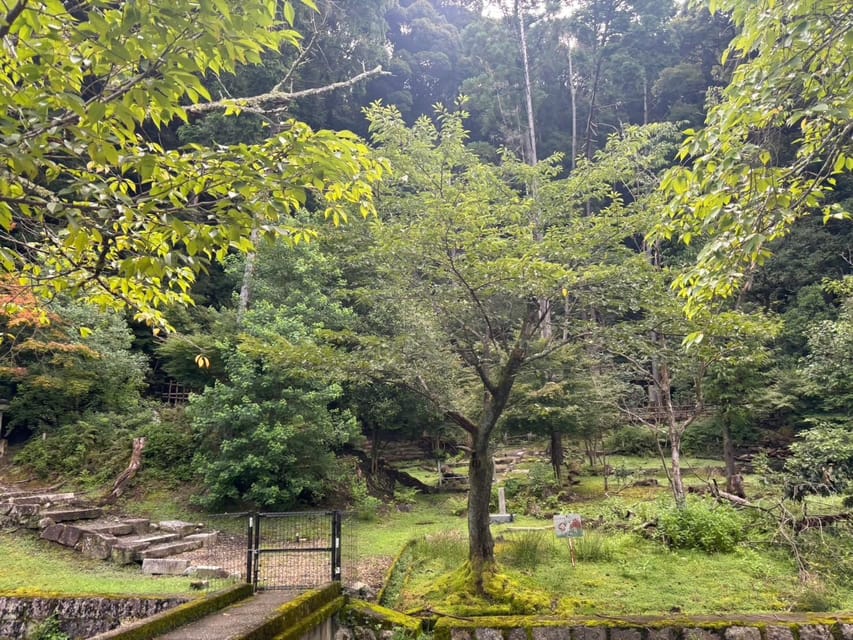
(128, 474)
(271, 100)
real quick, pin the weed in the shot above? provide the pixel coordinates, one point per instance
(529, 549)
(48, 629)
(593, 547)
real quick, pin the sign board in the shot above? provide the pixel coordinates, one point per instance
(568, 526)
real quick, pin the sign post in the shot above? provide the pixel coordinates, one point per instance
(569, 526)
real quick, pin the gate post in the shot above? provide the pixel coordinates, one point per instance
(336, 546)
(250, 547)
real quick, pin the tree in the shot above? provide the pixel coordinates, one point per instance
(93, 206)
(461, 267)
(739, 188)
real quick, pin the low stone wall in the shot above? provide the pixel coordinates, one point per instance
(770, 627)
(78, 617)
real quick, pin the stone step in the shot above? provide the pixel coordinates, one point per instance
(66, 515)
(127, 550)
(170, 549)
(42, 498)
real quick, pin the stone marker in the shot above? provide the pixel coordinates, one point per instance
(502, 517)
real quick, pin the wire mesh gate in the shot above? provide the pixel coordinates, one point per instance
(294, 550)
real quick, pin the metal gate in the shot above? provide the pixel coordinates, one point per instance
(294, 550)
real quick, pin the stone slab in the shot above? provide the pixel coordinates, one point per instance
(625, 634)
(667, 633)
(589, 633)
(846, 631)
(170, 549)
(180, 527)
(164, 566)
(742, 633)
(778, 633)
(488, 634)
(551, 633)
(697, 633)
(501, 518)
(206, 572)
(64, 515)
(206, 539)
(815, 632)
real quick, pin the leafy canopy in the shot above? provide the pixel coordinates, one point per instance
(92, 204)
(741, 192)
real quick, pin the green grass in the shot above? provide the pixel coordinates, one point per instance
(34, 567)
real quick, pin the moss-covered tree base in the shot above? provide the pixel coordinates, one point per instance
(462, 593)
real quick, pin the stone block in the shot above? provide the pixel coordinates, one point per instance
(96, 545)
(551, 633)
(206, 572)
(667, 633)
(170, 549)
(165, 566)
(140, 526)
(846, 631)
(488, 634)
(778, 633)
(743, 633)
(589, 633)
(697, 633)
(815, 632)
(53, 532)
(625, 634)
(517, 634)
(121, 554)
(64, 515)
(460, 634)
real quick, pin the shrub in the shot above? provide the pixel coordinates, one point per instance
(699, 526)
(631, 441)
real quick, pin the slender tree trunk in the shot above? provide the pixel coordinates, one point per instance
(573, 99)
(675, 476)
(248, 278)
(557, 455)
(734, 481)
(128, 474)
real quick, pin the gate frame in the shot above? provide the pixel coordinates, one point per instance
(254, 551)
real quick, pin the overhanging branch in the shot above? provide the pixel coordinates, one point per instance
(272, 99)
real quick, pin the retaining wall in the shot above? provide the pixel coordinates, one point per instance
(78, 617)
(769, 627)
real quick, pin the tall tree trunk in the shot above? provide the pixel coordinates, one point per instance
(481, 545)
(528, 87)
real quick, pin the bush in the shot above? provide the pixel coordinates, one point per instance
(48, 629)
(699, 526)
(632, 441)
(170, 445)
(97, 446)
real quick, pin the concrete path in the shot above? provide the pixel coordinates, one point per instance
(234, 621)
